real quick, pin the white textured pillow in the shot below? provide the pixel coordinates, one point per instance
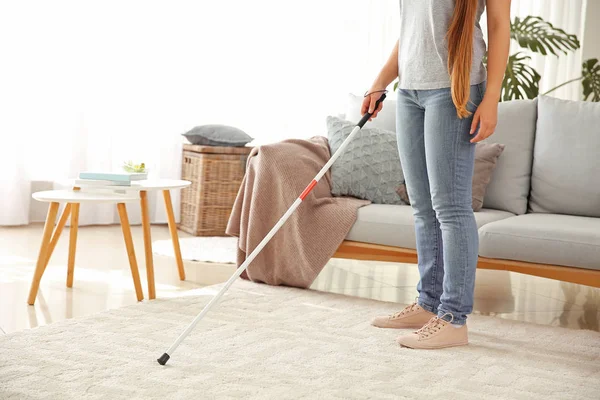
(386, 119)
(370, 166)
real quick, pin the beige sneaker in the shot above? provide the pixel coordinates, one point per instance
(437, 334)
(412, 317)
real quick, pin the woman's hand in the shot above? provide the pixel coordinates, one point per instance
(486, 118)
(498, 27)
(368, 104)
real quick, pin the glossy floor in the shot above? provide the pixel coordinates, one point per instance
(103, 281)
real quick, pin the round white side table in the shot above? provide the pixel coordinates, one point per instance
(73, 198)
(140, 190)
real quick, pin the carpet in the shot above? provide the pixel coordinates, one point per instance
(275, 343)
(215, 249)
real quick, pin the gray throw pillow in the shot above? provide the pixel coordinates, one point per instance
(217, 135)
(486, 157)
(370, 166)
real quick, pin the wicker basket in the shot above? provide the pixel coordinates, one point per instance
(216, 174)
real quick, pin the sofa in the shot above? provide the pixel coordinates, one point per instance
(541, 210)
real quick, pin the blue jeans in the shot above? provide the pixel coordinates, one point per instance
(437, 161)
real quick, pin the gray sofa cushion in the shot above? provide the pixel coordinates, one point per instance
(545, 239)
(370, 166)
(509, 187)
(394, 225)
(566, 164)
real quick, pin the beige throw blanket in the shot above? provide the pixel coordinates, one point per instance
(276, 174)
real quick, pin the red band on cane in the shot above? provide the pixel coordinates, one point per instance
(308, 189)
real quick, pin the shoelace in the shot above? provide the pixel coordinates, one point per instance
(406, 310)
(433, 326)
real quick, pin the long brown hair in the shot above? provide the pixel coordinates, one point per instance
(460, 53)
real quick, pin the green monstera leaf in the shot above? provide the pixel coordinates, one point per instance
(520, 80)
(537, 35)
(591, 79)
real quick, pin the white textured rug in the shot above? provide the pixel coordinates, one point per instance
(273, 343)
(217, 249)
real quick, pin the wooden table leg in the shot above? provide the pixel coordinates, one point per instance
(43, 254)
(56, 234)
(147, 244)
(130, 250)
(173, 231)
(72, 243)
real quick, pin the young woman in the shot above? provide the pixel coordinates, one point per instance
(447, 102)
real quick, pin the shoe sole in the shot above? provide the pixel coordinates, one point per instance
(400, 327)
(435, 347)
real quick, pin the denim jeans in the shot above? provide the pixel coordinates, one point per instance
(437, 160)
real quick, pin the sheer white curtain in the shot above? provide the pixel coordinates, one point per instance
(86, 85)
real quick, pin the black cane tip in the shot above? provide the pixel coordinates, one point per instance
(163, 359)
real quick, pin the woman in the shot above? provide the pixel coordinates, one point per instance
(447, 102)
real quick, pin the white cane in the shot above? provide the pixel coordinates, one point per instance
(162, 360)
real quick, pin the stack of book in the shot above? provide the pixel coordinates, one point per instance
(109, 178)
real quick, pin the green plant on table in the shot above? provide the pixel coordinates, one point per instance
(129, 166)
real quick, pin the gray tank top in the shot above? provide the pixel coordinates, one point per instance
(423, 49)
